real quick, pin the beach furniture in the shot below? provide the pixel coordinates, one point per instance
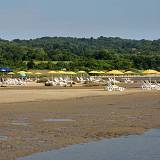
(145, 86)
(158, 84)
(110, 87)
(128, 80)
(113, 80)
(148, 85)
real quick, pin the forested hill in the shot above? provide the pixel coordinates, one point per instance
(80, 53)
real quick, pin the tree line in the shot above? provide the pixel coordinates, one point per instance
(80, 53)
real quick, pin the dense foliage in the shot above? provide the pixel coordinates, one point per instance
(80, 53)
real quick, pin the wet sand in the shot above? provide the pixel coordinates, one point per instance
(94, 114)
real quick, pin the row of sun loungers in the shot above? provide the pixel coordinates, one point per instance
(146, 85)
(12, 82)
(88, 79)
(63, 82)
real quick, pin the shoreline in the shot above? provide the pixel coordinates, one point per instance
(94, 118)
(90, 141)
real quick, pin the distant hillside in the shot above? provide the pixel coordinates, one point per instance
(81, 53)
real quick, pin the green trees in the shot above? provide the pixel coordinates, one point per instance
(80, 53)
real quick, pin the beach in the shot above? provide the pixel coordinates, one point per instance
(35, 120)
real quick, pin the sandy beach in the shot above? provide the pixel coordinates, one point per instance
(92, 114)
(29, 94)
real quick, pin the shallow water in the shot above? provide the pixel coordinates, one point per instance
(134, 147)
(57, 120)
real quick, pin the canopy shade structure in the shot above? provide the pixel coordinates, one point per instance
(38, 73)
(115, 72)
(5, 70)
(52, 72)
(21, 72)
(149, 71)
(93, 72)
(61, 72)
(81, 72)
(71, 73)
(29, 73)
(11, 73)
(101, 72)
(128, 72)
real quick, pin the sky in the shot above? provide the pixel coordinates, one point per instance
(131, 19)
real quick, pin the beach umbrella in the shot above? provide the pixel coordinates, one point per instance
(81, 72)
(11, 73)
(29, 72)
(71, 73)
(93, 72)
(21, 72)
(150, 72)
(96, 72)
(128, 72)
(61, 72)
(5, 70)
(38, 73)
(101, 72)
(52, 72)
(115, 72)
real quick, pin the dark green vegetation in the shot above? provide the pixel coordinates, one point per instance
(80, 53)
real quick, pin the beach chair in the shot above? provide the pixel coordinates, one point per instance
(145, 86)
(110, 87)
(152, 85)
(158, 84)
(113, 80)
(128, 80)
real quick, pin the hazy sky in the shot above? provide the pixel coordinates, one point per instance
(135, 19)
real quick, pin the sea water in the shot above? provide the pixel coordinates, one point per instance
(133, 147)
